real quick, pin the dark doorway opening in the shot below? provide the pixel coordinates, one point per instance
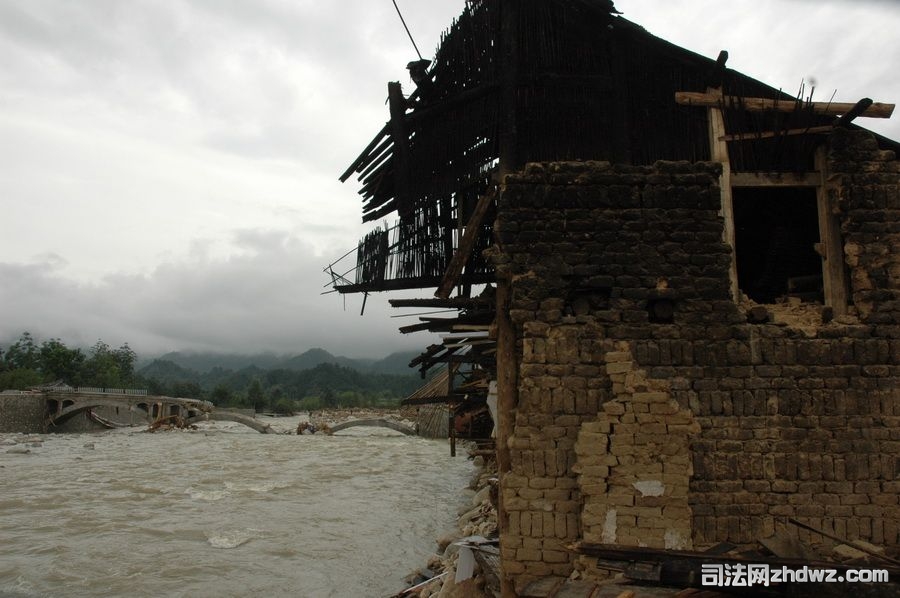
(776, 232)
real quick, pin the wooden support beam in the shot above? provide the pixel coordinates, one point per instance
(466, 243)
(773, 134)
(716, 100)
(833, 270)
(775, 179)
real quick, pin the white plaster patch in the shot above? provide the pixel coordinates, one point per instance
(675, 541)
(650, 487)
(609, 528)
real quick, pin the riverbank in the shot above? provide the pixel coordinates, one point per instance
(466, 560)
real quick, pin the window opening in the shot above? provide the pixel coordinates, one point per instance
(776, 233)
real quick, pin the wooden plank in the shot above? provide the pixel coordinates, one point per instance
(775, 179)
(833, 272)
(773, 134)
(717, 100)
(459, 259)
(683, 561)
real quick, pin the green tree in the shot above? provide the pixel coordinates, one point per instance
(125, 359)
(220, 395)
(329, 399)
(23, 354)
(101, 368)
(184, 389)
(59, 362)
(255, 395)
(19, 379)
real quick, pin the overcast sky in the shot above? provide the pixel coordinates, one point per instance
(168, 168)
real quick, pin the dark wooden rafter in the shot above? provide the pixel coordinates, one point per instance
(366, 154)
(456, 302)
(858, 110)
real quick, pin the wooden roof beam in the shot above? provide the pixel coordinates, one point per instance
(715, 100)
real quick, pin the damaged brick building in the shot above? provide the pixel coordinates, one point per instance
(694, 323)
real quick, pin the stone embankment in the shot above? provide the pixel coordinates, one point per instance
(477, 520)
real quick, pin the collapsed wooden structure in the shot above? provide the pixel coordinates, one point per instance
(570, 249)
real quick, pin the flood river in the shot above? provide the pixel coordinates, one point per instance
(223, 511)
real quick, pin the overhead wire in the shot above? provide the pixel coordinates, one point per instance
(402, 20)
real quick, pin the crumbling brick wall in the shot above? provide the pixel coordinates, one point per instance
(643, 391)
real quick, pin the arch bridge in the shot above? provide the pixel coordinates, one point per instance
(374, 423)
(62, 405)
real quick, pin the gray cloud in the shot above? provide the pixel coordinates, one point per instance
(266, 297)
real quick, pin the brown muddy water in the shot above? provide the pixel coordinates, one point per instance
(223, 511)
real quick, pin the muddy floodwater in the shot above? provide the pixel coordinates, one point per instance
(223, 511)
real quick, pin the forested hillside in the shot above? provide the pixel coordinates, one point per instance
(267, 382)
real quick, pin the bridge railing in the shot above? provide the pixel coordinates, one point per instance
(140, 392)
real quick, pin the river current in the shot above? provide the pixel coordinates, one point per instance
(222, 511)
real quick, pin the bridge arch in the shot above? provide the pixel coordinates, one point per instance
(375, 423)
(233, 417)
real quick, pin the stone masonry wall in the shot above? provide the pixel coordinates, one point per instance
(22, 412)
(644, 392)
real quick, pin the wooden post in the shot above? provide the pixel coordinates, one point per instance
(718, 149)
(507, 398)
(451, 408)
(452, 423)
(509, 67)
(833, 276)
(397, 105)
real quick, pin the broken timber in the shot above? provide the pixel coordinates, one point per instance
(459, 259)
